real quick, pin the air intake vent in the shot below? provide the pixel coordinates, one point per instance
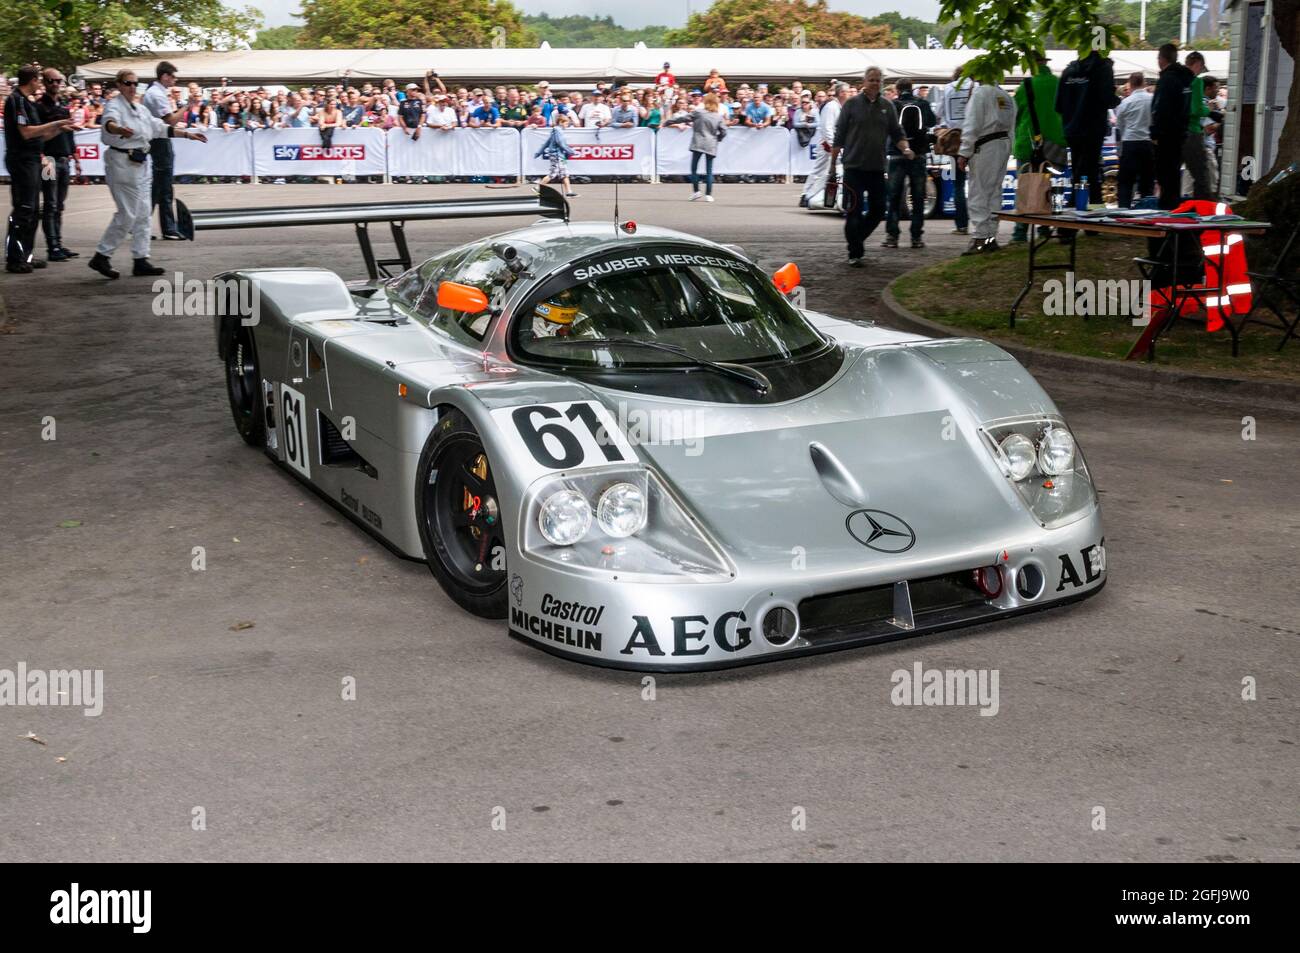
(337, 452)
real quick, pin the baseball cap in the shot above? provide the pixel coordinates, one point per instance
(412, 86)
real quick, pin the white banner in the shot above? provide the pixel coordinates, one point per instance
(596, 151)
(90, 151)
(227, 152)
(281, 152)
(457, 152)
(743, 151)
(802, 157)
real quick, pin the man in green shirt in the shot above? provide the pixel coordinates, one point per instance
(1194, 157)
(1053, 146)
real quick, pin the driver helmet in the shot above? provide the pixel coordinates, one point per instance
(555, 316)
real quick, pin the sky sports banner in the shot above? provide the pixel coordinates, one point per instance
(281, 152)
(742, 151)
(596, 151)
(455, 152)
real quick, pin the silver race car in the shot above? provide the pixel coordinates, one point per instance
(631, 445)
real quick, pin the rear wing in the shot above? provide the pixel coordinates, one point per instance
(547, 202)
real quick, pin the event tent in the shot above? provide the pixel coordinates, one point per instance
(578, 67)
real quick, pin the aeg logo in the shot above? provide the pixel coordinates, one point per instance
(595, 151)
(355, 152)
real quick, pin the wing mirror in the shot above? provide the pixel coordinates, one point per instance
(786, 278)
(457, 297)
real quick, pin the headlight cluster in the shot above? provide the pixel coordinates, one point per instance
(1054, 455)
(1040, 457)
(620, 520)
(565, 515)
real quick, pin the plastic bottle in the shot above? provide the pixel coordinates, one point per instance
(1081, 195)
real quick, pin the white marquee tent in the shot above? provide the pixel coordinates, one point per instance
(577, 67)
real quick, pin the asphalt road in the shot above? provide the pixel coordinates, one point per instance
(1130, 702)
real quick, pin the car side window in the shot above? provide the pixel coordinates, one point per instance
(482, 268)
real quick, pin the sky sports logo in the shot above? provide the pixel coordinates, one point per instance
(599, 151)
(355, 152)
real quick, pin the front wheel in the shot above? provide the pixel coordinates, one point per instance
(244, 384)
(460, 520)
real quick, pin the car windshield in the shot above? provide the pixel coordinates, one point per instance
(700, 306)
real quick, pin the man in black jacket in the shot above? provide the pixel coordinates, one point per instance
(1084, 97)
(1169, 111)
(916, 119)
(866, 125)
(58, 154)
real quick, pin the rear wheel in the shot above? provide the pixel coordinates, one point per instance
(459, 518)
(244, 384)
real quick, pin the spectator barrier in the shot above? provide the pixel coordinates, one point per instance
(227, 152)
(281, 152)
(492, 152)
(743, 151)
(466, 152)
(596, 151)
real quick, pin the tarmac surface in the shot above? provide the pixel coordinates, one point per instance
(1129, 703)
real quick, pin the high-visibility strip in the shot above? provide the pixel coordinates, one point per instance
(1240, 289)
(1221, 209)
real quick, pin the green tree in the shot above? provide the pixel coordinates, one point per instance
(777, 23)
(591, 32)
(65, 33)
(906, 28)
(277, 38)
(412, 24)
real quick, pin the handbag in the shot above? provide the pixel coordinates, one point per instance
(1033, 186)
(948, 142)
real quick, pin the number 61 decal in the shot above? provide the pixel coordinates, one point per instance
(293, 415)
(566, 436)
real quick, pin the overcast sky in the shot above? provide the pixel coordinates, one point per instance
(628, 13)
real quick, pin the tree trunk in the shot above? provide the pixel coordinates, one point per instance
(1286, 19)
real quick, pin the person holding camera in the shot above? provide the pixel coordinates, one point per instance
(128, 130)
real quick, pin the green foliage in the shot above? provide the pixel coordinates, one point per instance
(1015, 33)
(412, 24)
(591, 32)
(775, 24)
(277, 38)
(65, 33)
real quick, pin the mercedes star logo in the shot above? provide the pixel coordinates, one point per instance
(881, 531)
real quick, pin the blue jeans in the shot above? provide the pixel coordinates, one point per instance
(708, 172)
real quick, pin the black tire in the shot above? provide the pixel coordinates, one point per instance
(244, 383)
(459, 519)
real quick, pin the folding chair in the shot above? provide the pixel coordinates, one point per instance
(1278, 283)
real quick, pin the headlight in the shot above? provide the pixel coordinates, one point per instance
(621, 510)
(1040, 458)
(640, 530)
(565, 517)
(1056, 451)
(1019, 454)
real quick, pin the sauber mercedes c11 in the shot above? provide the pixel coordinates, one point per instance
(632, 446)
